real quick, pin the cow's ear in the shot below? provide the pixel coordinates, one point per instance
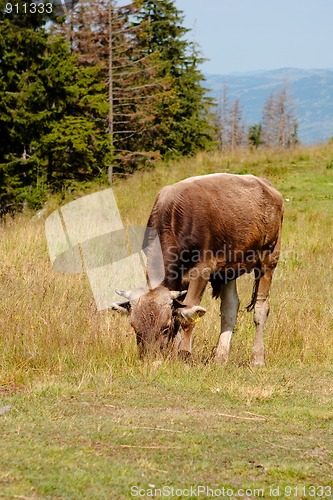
(122, 307)
(191, 314)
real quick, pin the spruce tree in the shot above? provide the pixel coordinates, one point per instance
(182, 123)
(51, 116)
(23, 42)
(159, 107)
(106, 36)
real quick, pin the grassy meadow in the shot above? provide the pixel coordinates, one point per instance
(87, 419)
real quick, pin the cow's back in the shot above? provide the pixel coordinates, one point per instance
(240, 213)
(236, 206)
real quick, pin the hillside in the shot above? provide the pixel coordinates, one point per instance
(83, 418)
(312, 91)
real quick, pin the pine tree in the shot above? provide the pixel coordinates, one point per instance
(255, 135)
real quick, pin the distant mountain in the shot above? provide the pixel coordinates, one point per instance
(312, 92)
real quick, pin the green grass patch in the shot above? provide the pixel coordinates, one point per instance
(172, 426)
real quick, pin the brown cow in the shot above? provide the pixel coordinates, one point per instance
(211, 228)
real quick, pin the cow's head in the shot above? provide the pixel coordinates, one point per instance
(156, 316)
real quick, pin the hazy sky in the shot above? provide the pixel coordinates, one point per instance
(246, 35)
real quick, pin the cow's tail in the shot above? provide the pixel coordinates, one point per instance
(257, 276)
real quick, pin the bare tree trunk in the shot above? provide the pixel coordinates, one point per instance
(279, 122)
(110, 169)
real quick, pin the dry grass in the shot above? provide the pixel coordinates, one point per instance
(49, 323)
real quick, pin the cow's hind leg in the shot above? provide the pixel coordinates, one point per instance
(261, 311)
(229, 310)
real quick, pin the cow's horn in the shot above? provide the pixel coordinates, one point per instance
(132, 294)
(122, 293)
(176, 295)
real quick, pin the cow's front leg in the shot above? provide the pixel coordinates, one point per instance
(229, 310)
(261, 311)
(185, 346)
(191, 313)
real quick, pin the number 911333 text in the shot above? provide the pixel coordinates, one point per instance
(28, 8)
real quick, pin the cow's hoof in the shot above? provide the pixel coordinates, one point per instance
(186, 356)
